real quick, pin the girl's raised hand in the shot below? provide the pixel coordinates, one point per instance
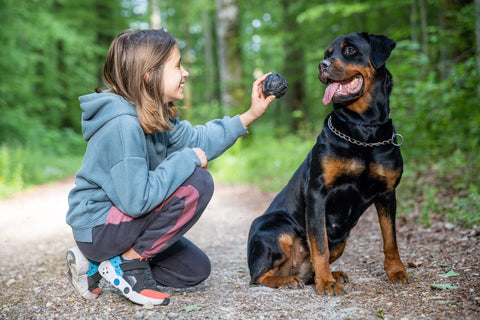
(259, 103)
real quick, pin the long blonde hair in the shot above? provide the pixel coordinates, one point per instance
(131, 56)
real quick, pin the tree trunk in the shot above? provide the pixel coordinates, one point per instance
(210, 79)
(294, 69)
(414, 22)
(187, 63)
(232, 91)
(443, 47)
(477, 34)
(155, 18)
(424, 25)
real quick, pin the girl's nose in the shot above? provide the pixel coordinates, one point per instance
(185, 73)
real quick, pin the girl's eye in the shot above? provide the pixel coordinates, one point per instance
(350, 50)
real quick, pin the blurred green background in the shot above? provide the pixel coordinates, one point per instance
(53, 51)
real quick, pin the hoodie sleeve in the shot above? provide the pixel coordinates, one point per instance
(137, 190)
(215, 137)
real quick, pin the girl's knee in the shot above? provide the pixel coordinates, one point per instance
(202, 180)
(203, 269)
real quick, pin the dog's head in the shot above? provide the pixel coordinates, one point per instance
(352, 66)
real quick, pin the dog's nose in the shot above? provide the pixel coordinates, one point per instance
(323, 66)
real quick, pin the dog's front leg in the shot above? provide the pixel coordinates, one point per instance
(386, 210)
(318, 244)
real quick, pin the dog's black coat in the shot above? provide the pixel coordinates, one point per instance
(339, 179)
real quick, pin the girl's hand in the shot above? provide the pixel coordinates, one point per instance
(202, 156)
(259, 103)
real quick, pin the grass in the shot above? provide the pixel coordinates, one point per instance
(262, 159)
(24, 166)
(449, 187)
(21, 168)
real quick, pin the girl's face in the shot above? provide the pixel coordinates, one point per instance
(174, 76)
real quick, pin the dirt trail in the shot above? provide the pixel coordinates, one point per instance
(33, 285)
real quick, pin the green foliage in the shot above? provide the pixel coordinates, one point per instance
(47, 157)
(440, 121)
(265, 158)
(11, 180)
(441, 286)
(448, 188)
(52, 52)
(22, 167)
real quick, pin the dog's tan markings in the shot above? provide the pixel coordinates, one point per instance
(337, 252)
(269, 279)
(324, 280)
(332, 168)
(383, 173)
(291, 268)
(363, 103)
(296, 260)
(393, 264)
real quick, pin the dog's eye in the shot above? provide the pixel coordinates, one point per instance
(350, 50)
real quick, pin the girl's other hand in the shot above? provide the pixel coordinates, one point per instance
(259, 102)
(202, 156)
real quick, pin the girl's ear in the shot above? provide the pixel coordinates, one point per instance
(145, 77)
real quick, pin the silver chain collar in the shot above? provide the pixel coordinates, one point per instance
(365, 144)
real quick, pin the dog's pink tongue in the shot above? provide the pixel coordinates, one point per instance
(329, 92)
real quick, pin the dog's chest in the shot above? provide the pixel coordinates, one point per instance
(337, 170)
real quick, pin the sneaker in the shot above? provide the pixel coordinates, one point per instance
(134, 279)
(83, 273)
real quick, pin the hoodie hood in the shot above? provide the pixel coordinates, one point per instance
(99, 108)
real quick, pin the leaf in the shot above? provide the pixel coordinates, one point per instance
(450, 273)
(379, 314)
(190, 308)
(439, 286)
(242, 270)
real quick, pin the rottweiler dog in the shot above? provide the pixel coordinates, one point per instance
(355, 162)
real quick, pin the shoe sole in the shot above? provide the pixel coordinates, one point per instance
(77, 269)
(107, 271)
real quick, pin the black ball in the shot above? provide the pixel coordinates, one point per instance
(275, 84)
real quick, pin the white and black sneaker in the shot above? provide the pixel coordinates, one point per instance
(83, 274)
(134, 279)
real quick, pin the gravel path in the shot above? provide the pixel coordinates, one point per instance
(33, 284)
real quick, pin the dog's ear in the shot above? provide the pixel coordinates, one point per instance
(380, 48)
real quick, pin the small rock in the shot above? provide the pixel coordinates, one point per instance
(138, 315)
(449, 226)
(10, 282)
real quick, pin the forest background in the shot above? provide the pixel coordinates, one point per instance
(52, 51)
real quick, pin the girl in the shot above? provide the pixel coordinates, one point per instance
(143, 184)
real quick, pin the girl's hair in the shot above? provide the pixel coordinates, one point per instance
(131, 56)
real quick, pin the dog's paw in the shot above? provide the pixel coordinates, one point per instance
(399, 276)
(340, 277)
(331, 288)
(292, 282)
(281, 282)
